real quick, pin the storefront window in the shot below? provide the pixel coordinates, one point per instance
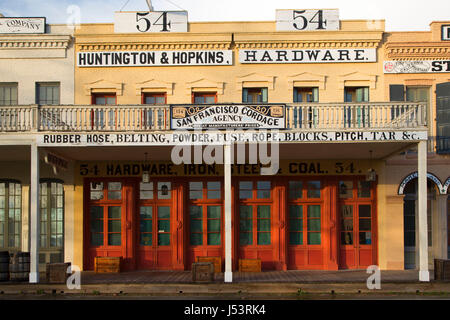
(295, 225)
(246, 225)
(295, 189)
(213, 225)
(365, 225)
(314, 226)
(196, 215)
(10, 214)
(163, 226)
(263, 189)
(245, 190)
(96, 214)
(313, 189)
(52, 214)
(146, 225)
(263, 225)
(114, 226)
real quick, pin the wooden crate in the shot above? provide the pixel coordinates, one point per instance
(441, 269)
(249, 265)
(57, 272)
(217, 261)
(107, 264)
(203, 272)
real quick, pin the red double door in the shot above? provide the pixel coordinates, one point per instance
(133, 220)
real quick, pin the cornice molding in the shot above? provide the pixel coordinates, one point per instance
(326, 44)
(59, 42)
(417, 50)
(152, 46)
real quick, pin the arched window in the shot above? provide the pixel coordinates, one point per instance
(51, 193)
(10, 214)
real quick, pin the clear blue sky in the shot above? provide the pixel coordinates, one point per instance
(400, 15)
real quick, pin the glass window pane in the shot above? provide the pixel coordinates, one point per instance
(264, 225)
(364, 189)
(345, 189)
(96, 226)
(96, 195)
(246, 211)
(195, 190)
(196, 212)
(313, 237)
(347, 224)
(196, 239)
(114, 239)
(365, 238)
(245, 238)
(114, 226)
(245, 225)
(213, 212)
(364, 224)
(214, 225)
(164, 239)
(313, 189)
(313, 224)
(163, 226)
(195, 194)
(97, 239)
(314, 211)
(164, 190)
(114, 186)
(364, 211)
(146, 225)
(295, 189)
(146, 239)
(295, 225)
(146, 212)
(346, 238)
(295, 211)
(114, 212)
(96, 212)
(263, 211)
(263, 238)
(245, 194)
(245, 189)
(347, 211)
(111, 100)
(164, 212)
(263, 189)
(214, 239)
(295, 238)
(196, 225)
(114, 195)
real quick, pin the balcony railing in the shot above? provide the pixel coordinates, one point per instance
(299, 117)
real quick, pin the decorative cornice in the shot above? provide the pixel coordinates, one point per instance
(153, 46)
(305, 44)
(61, 42)
(417, 50)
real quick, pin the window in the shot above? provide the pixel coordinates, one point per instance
(356, 116)
(10, 214)
(47, 93)
(98, 114)
(254, 95)
(204, 97)
(356, 94)
(8, 94)
(151, 114)
(52, 214)
(154, 98)
(306, 94)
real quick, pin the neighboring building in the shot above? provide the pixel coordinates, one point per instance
(333, 205)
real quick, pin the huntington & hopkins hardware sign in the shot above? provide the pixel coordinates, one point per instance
(228, 116)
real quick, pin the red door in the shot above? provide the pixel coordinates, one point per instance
(154, 229)
(356, 224)
(108, 221)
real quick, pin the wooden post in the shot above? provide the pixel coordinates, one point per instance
(424, 274)
(228, 277)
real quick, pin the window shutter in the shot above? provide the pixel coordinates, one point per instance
(244, 95)
(396, 92)
(264, 95)
(315, 92)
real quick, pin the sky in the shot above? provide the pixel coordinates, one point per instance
(399, 15)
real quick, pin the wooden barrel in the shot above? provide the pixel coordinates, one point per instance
(4, 265)
(19, 267)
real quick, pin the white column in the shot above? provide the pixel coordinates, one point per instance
(34, 215)
(228, 277)
(440, 227)
(424, 274)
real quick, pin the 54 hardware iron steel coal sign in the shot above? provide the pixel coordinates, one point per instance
(261, 116)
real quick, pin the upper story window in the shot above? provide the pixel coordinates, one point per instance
(8, 94)
(254, 95)
(154, 98)
(104, 98)
(204, 97)
(306, 94)
(356, 94)
(47, 93)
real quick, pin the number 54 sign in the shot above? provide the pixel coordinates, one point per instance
(307, 20)
(140, 22)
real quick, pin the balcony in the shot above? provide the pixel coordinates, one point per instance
(138, 118)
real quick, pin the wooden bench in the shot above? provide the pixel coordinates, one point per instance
(249, 265)
(217, 261)
(107, 264)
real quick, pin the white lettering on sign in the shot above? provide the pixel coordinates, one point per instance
(307, 20)
(426, 66)
(228, 116)
(154, 58)
(308, 56)
(145, 22)
(445, 32)
(414, 175)
(213, 137)
(22, 25)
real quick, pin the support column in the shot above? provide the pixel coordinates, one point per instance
(441, 244)
(424, 274)
(228, 277)
(34, 215)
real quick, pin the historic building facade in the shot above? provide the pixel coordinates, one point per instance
(238, 140)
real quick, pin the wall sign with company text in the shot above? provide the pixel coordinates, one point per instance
(445, 32)
(213, 137)
(155, 58)
(147, 22)
(228, 116)
(425, 66)
(308, 56)
(22, 25)
(307, 20)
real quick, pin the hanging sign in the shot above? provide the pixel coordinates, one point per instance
(57, 162)
(307, 20)
(308, 56)
(426, 66)
(147, 22)
(228, 117)
(154, 58)
(22, 25)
